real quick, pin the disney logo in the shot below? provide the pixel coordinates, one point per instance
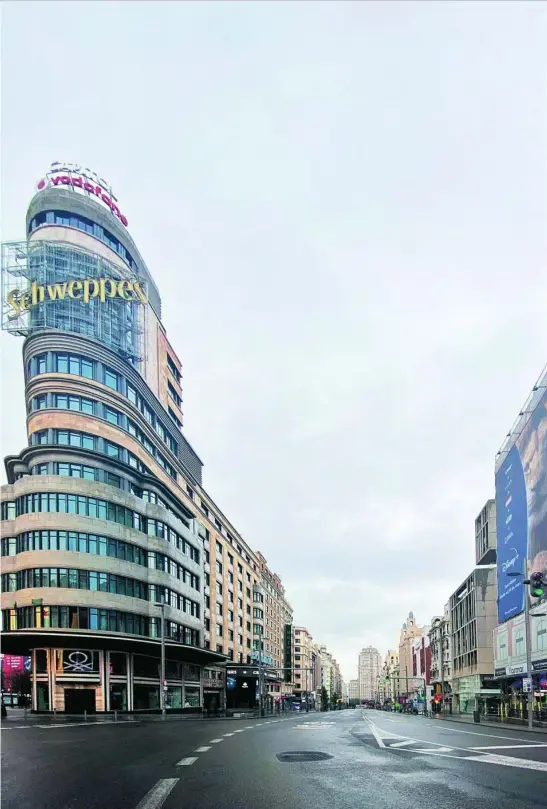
(510, 562)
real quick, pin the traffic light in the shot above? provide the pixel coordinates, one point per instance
(538, 585)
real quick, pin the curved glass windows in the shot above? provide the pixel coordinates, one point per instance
(82, 223)
(77, 541)
(96, 618)
(104, 510)
(77, 579)
(89, 369)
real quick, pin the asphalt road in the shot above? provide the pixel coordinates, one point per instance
(372, 759)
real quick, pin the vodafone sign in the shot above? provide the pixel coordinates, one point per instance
(80, 178)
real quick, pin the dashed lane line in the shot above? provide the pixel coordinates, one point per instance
(227, 734)
(216, 741)
(201, 749)
(187, 762)
(158, 794)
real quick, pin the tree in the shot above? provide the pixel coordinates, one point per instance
(334, 699)
(324, 699)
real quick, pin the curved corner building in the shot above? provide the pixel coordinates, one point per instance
(95, 531)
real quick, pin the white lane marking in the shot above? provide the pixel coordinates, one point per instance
(227, 734)
(186, 762)
(377, 736)
(70, 725)
(201, 749)
(157, 795)
(435, 750)
(216, 741)
(474, 732)
(509, 761)
(507, 746)
(249, 727)
(241, 730)
(402, 744)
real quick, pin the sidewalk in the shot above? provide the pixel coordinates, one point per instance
(17, 716)
(468, 720)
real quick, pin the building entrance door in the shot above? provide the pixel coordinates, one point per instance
(78, 700)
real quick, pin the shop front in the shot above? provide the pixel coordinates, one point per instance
(214, 691)
(243, 688)
(94, 674)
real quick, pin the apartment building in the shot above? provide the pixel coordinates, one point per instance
(473, 615)
(370, 667)
(441, 667)
(303, 662)
(353, 692)
(410, 630)
(390, 674)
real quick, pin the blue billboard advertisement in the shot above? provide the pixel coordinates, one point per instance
(521, 511)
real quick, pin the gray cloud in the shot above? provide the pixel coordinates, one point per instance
(344, 207)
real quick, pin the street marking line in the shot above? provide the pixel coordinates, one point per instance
(201, 749)
(507, 746)
(158, 794)
(377, 736)
(241, 730)
(473, 732)
(186, 762)
(227, 734)
(402, 744)
(509, 761)
(216, 741)
(249, 727)
(435, 750)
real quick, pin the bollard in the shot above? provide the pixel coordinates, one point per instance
(85, 716)
(115, 716)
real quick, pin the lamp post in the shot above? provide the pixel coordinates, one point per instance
(161, 605)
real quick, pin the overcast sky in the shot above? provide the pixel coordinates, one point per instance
(344, 207)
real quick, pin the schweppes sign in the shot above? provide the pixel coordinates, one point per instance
(101, 289)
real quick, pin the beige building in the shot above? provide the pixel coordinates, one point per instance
(370, 667)
(407, 685)
(303, 661)
(353, 691)
(390, 674)
(473, 616)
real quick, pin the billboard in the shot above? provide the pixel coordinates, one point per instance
(521, 508)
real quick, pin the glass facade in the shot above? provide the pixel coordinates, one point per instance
(115, 321)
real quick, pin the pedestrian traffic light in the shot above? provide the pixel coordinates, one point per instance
(538, 585)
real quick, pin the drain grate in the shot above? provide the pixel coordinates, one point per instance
(302, 755)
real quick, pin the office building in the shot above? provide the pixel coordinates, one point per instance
(303, 663)
(104, 516)
(369, 671)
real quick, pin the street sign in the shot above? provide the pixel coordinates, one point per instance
(527, 685)
(37, 602)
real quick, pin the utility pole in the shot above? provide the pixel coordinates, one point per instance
(163, 686)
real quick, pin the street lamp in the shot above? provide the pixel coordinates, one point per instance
(528, 637)
(163, 685)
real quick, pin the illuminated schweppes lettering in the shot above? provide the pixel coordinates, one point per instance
(100, 288)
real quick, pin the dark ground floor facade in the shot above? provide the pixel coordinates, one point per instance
(77, 675)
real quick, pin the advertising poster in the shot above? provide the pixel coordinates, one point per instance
(521, 511)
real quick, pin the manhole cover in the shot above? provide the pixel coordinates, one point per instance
(303, 755)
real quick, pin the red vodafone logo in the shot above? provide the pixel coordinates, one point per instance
(80, 178)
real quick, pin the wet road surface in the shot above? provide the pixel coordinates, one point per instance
(337, 760)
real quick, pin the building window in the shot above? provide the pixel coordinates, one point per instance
(113, 416)
(111, 379)
(175, 418)
(174, 370)
(173, 394)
